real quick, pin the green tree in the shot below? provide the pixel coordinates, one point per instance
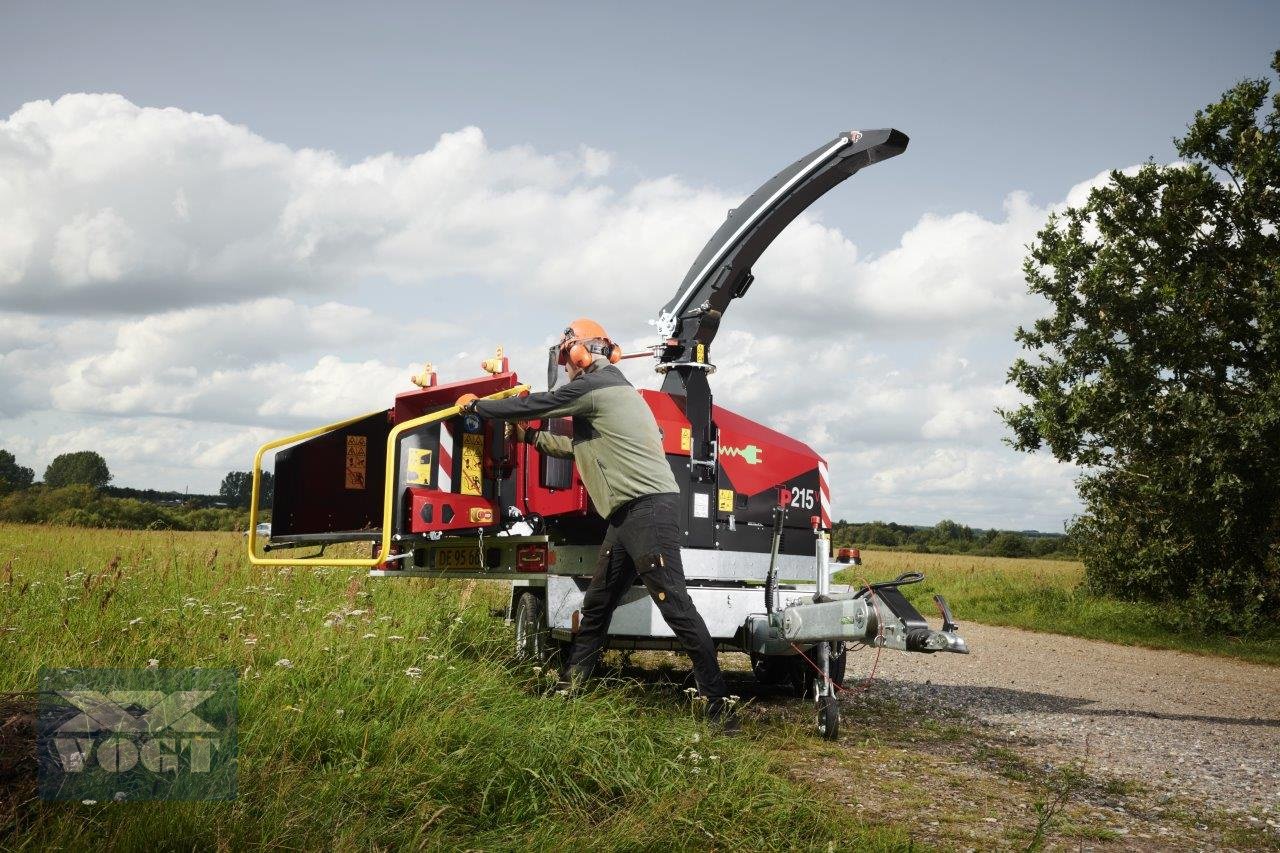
(13, 477)
(1008, 545)
(82, 468)
(237, 488)
(1158, 370)
(949, 531)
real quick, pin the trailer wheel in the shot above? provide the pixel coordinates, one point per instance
(828, 717)
(798, 676)
(770, 669)
(533, 640)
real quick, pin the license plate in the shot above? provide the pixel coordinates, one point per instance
(457, 558)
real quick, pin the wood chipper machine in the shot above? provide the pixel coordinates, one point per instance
(438, 493)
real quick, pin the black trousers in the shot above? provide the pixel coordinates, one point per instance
(644, 539)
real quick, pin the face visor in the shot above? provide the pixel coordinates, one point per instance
(556, 357)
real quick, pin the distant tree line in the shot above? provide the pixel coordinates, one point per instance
(75, 491)
(950, 537)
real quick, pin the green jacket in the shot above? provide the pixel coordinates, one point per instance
(615, 444)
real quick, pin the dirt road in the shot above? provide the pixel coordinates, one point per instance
(1205, 727)
(1167, 750)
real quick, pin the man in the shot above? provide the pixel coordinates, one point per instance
(619, 455)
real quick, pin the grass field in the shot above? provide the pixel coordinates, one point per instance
(1047, 595)
(389, 714)
(399, 720)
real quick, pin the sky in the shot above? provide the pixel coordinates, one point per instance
(224, 222)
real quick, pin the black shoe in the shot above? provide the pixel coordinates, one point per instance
(721, 713)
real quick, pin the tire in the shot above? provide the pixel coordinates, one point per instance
(798, 674)
(533, 640)
(836, 663)
(828, 717)
(769, 670)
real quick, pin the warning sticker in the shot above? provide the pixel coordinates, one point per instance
(686, 438)
(472, 450)
(419, 467)
(701, 505)
(357, 458)
(726, 500)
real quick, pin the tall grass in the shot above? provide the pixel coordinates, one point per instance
(379, 714)
(1049, 595)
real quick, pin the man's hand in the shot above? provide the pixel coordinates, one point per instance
(467, 403)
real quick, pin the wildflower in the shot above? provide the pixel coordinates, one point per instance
(368, 636)
(422, 638)
(152, 663)
(89, 802)
(293, 708)
(329, 623)
(696, 737)
(537, 670)
(251, 641)
(692, 691)
(696, 771)
(395, 637)
(284, 663)
(414, 672)
(137, 621)
(234, 617)
(340, 712)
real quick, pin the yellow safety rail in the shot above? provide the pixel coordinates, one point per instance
(388, 497)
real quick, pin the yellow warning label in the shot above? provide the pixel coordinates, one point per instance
(686, 438)
(726, 500)
(357, 457)
(472, 450)
(418, 469)
(701, 357)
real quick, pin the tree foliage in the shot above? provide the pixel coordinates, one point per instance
(84, 506)
(237, 488)
(950, 537)
(1158, 369)
(13, 477)
(82, 468)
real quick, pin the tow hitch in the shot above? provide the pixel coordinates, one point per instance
(878, 615)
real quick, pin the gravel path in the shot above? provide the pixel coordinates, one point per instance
(1205, 728)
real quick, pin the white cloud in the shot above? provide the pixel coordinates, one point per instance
(263, 288)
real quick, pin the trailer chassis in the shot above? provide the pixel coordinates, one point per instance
(801, 637)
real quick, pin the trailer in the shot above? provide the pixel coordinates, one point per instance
(438, 493)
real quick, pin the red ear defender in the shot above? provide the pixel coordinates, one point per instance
(615, 354)
(580, 356)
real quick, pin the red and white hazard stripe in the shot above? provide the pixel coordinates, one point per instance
(444, 480)
(824, 494)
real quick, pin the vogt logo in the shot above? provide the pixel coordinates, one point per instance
(106, 734)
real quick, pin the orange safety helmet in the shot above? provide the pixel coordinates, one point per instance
(583, 340)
